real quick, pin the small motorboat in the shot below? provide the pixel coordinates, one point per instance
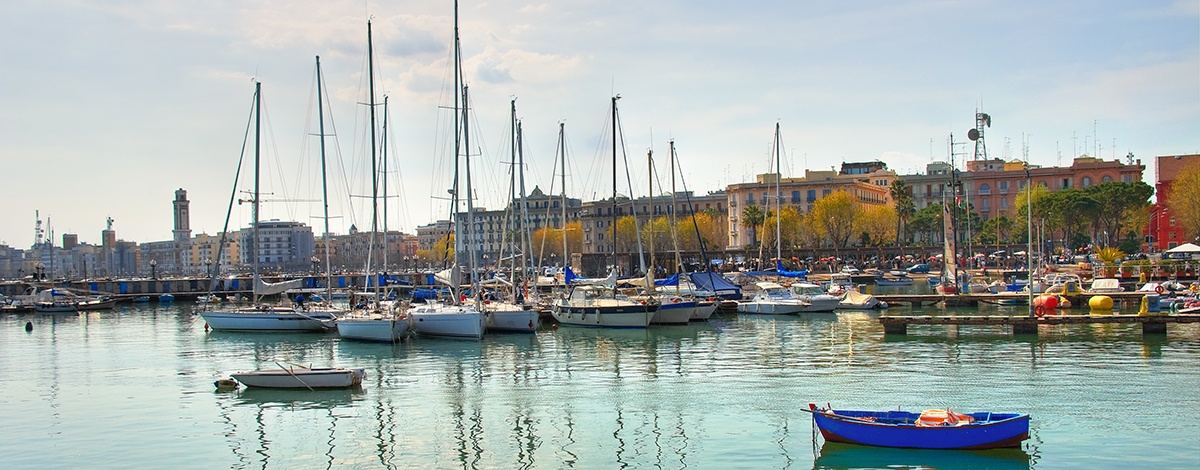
(166, 298)
(929, 429)
(141, 298)
(302, 377)
(856, 300)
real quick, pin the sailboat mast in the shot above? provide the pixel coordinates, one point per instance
(562, 148)
(512, 191)
(470, 201)
(526, 238)
(383, 176)
(650, 203)
(257, 147)
(614, 183)
(458, 86)
(778, 197)
(324, 178)
(674, 206)
(374, 157)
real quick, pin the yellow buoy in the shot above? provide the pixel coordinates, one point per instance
(1101, 304)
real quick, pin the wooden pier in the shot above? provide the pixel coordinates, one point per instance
(1079, 300)
(1151, 324)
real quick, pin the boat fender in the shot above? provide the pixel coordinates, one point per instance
(1158, 289)
(28, 326)
(226, 384)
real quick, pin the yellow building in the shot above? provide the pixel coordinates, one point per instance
(869, 183)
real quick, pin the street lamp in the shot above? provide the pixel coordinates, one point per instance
(315, 261)
(153, 269)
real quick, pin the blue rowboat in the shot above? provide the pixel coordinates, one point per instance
(931, 429)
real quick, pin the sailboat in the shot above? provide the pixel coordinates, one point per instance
(375, 319)
(512, 312)
(455, 318)
(265, 317)
(773, 298)
(598, 303)
(673, 308)
(705, 302)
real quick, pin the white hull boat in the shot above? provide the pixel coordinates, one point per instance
(673, 311)
(268, 319)
(595, 306)
(704, 310)
(510, 318)
(815, 298)
(302, 377)
(452, 321)
(772, 299)
(386, 328)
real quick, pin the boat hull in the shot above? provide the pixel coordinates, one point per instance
(56, 307)
(771, 308)
(447, 321)
(703, 311)
(373, 329)
(266, 320)
(300, 377)
(673, 313)
(519, 321)
(990, 430)
(625, 316)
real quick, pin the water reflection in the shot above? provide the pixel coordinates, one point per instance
(835, 455)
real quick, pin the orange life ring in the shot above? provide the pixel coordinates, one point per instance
(1158, 289)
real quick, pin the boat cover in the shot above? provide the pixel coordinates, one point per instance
(262, 287)
(716, 284)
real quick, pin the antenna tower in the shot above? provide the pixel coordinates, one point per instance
(982, 120)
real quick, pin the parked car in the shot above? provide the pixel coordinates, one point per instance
(850, 269)
(921, 268)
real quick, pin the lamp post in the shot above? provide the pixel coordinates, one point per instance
(208, 267)
(153, 269)
(315, 262)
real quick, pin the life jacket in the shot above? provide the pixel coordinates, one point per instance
(943, 418)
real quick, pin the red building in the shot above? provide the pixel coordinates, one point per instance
(1164, 231)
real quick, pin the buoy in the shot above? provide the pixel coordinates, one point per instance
(1101, 304)
(554, 326)
(225, 385)
(28, 326)
(1046, 301)
(206, 327)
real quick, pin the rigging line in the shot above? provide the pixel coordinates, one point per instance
(216, 266)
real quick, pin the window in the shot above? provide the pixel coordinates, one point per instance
(811, 195)
(1087, 181)
(1106, 179)
(985, 189)
(1003, 187)
(1003, 203)
(1126, 179)
(1172, 222)
(795, 197)
(985, 205)
(1066, 183)
(826, 192)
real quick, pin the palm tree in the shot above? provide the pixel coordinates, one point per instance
(902, 197)
(752, 217)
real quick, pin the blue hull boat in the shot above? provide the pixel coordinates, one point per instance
(931, 429)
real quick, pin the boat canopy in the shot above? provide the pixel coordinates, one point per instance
(716, 284)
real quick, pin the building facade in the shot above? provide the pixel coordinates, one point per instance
(868, 183)
(1163, 230)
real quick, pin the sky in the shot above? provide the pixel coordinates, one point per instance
(107, 107)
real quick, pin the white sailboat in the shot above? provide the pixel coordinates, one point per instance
(265, 317)
(375, 319)
(456, 319)
(772, 298)
(600, 304)
(512, 312)
(673, 308)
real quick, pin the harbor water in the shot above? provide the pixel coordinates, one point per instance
(133, 388)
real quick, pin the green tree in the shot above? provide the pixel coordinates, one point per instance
(835, 215)
(753, 217)
(1120, 202)
(905, 210)
(927, 224)
(877, 225)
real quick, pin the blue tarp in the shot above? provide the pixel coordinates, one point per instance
(716, 284)
(670, 281)
(569, 275)
(785, 273)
